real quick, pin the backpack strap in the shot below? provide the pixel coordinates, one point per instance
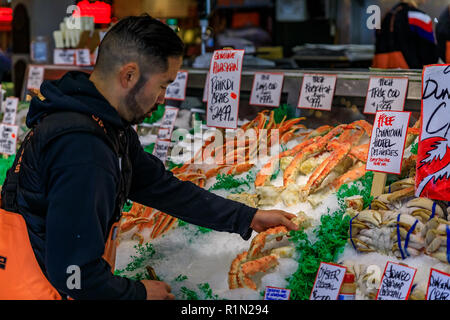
(49, 128)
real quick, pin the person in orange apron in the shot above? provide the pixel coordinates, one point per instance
(443, 35)
(80, 163)
(406, 38)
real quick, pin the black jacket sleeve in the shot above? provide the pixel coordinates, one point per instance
(81, 189)
(154, 186)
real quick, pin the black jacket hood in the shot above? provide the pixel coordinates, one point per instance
(73, 92)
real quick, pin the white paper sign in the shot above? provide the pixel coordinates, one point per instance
(273, 293)
(161, 149)
(64, 56)
(8, 138)
(83, 57)
(205, 89)
(438, 285)
(164, 133)
(328, 282)
(387, 143)
(266, 89)
(10, 110)
(386, 94)
(35, 77)
(433, 175)
(169, 118)
(317, 92)
(396, 282)
(177, 89)
(224, 89)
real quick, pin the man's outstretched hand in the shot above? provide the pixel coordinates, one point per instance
(265, 219)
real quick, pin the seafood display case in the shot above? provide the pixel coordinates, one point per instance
(319, 175)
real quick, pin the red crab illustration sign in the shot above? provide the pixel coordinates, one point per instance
(224, 89)
(433, 158)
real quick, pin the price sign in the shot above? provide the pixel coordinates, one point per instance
(438, 285)
(328, 282)
(317, 92)
(396, 282)
(82, 57)
(164, 133)
(8, 138)
(266, 89)
(64, 57)
(433, 174)
(387, 143)
(224, 89)
(10, 110)
(273, 293)
(35, 77)
(177, 89)
(386, 94)
(161, 149)
(170, 115)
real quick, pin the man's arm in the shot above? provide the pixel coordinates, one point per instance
(81, 190)
(154, 186)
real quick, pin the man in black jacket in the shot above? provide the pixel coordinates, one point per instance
(72, 183)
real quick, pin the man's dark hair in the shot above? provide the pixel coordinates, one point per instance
(141, 39)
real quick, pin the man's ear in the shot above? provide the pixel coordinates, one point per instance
(129, 75)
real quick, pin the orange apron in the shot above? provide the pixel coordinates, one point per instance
(392, 60)
(21, 278)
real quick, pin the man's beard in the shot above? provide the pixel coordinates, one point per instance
(132, 104)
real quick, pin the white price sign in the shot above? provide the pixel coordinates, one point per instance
(35, 77)
(83, 57)
(161, 149)
(387, 143)
(10, 110)
(177, 89)
(64, 56)
(317, 92)
(438, 285)
(266, 89)
(396, 282)
(386, 94)
(328, 282)
(8, 138)
(224, 89)
(170, 115)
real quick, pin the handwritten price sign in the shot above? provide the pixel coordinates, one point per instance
(317, 92)
(161, 149)
(266, 89)
(82, 57)
(386, 94)
(8, 138)
(64, 57)
(177, 89)
(387, 143)
(396, 282)
(35, 77)
(224, 89)
(438, 285)
(10, 110)
(433, 173)
(328, 282)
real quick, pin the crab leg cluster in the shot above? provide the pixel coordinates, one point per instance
(256, 259)
(141, 217)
